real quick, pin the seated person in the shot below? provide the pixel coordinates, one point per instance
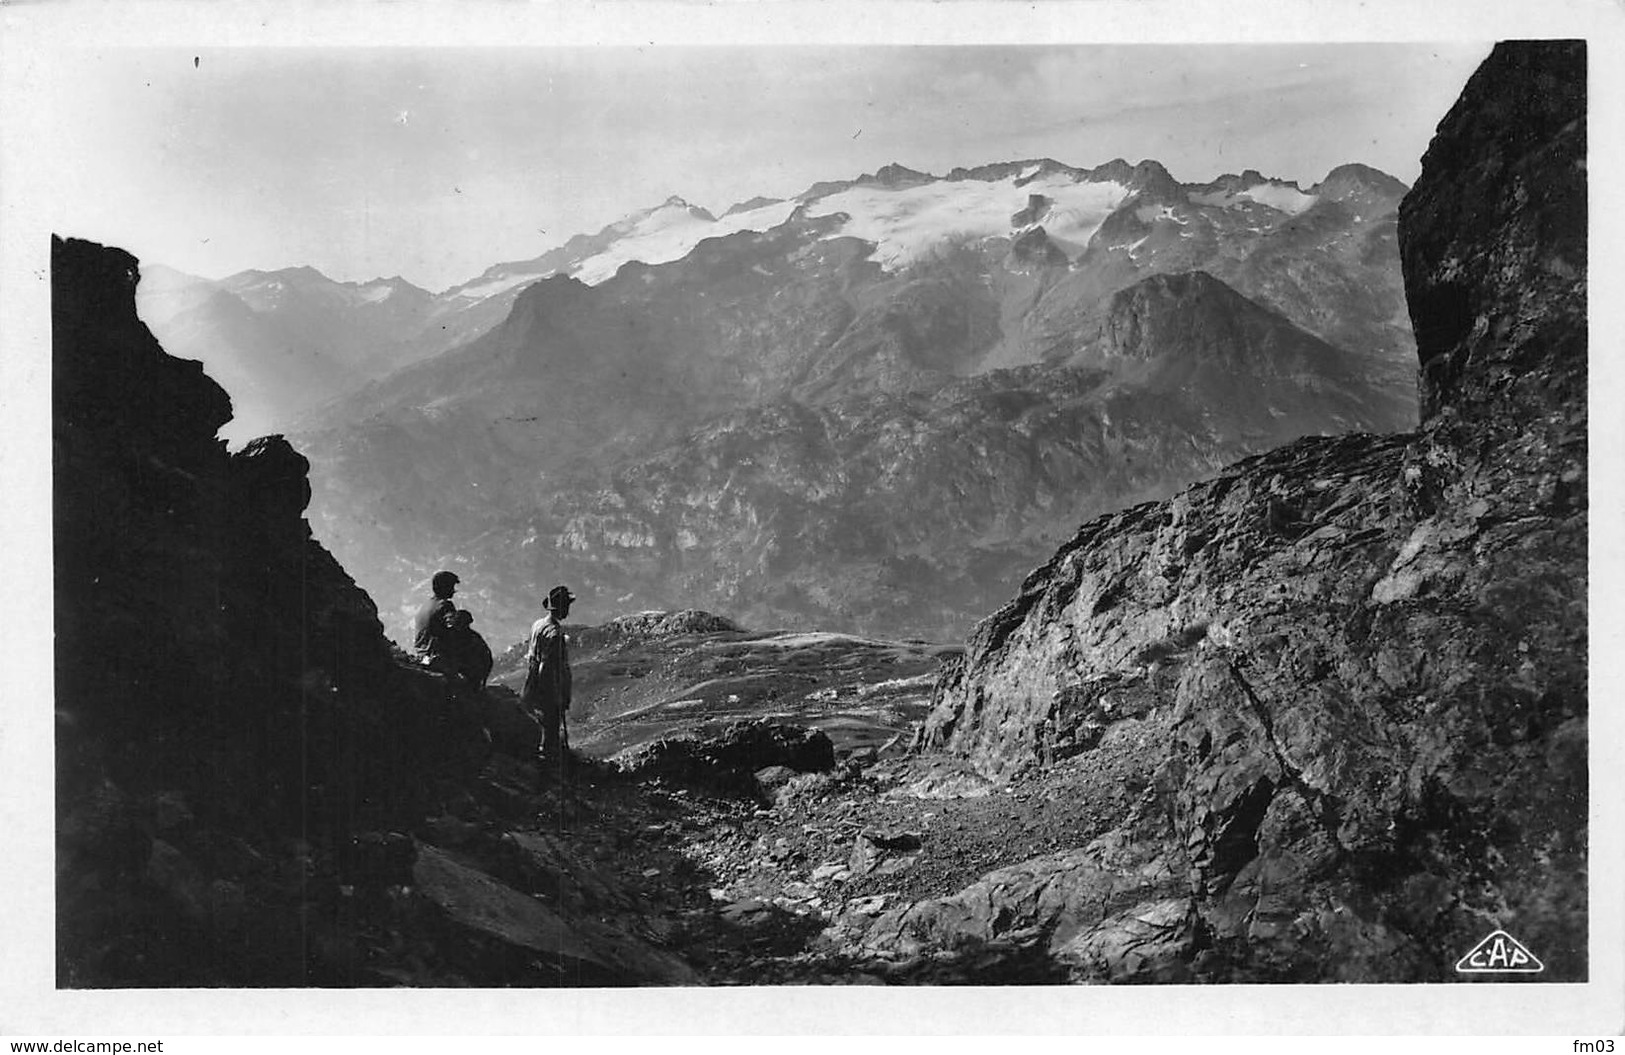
(433, 625)
(468, 651)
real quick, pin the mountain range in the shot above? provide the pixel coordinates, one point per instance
(734, 413)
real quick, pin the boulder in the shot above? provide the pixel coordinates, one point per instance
(883, 852)
(729, 757)
(772, 779)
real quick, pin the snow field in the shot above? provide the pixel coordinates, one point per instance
(1289, 200)
(670, 232)
(907, 223)
(501, 285)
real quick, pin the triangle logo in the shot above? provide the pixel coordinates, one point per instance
(1499, 953)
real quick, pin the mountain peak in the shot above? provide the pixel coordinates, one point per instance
(1248, 179)
(304, 273)
(1148, 175)
(751, 204)
(678, 202)
(894, 173)
(1194, 316)
(1355, 180)
(1155, 183)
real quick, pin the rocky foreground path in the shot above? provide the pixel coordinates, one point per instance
(614, 878)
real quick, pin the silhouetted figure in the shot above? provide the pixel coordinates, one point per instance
(547, 679)
(446, 641)
(469, 650)
(433, 624)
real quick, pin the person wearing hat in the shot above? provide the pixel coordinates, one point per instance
(547, 679)
(435, 624)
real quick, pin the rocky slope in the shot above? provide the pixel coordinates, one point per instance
(1117, 337)
(1363, 658)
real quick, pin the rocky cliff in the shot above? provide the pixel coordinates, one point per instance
(1347, 678)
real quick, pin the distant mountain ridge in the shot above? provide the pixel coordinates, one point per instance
(305, 338)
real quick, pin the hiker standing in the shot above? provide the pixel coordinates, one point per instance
(547, 681)
(434, 639)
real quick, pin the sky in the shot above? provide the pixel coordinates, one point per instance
(434, 163)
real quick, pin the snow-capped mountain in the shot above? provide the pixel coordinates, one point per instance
(288, 341)
(733, 412)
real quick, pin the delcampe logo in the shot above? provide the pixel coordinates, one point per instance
(1499, 953)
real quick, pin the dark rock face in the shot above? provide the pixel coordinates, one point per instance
(1366, 656)
(188, 584)
(1487, 312)
(209, 652)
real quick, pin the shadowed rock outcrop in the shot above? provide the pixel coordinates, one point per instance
(1500, 321)
(1366, 655)
(728, 758)
(215, 669)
